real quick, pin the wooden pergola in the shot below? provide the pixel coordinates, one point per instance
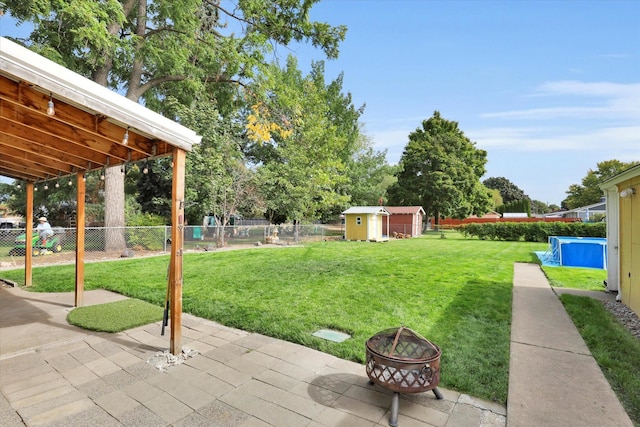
(55, 123)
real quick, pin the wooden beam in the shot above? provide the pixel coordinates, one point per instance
(36, 127)
(19, 172)
(80, 220)
(177, 238)
(20, 98)
(28, 249)
(49, 151)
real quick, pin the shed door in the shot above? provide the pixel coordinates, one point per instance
(630, 249)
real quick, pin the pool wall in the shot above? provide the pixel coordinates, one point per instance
(579, 251)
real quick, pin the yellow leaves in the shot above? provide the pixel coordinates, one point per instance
(260, 129)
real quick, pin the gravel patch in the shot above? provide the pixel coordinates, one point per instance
(627, 317)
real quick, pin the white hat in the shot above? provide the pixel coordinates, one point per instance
(42, 219)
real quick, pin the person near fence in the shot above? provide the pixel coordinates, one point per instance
(44, 230)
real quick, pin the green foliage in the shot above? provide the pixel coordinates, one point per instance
(369, 177)
(532, 231)
(440, 171)
(519, 206)
(143, 238)
(613, 347)
(192, 51)
(508, 190)
(496, 197)
(301, 171)
(182, 48)
(539, 207)
(115, 316)
(73, 33)
(153, 188)
(589, 192)
(217, 181)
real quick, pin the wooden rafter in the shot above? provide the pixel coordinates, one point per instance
(36, 146)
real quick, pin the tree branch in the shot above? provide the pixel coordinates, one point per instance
(233, 15)
(178, 78)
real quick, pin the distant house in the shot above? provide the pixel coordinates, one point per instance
(365, 223)
(515, 215)
(623, 235)
(490, 214)
(587, 213)
(405, 220)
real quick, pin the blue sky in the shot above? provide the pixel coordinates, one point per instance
(547, 88)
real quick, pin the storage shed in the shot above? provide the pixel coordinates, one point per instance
(405, 220)
(365, 223)
(623, 235)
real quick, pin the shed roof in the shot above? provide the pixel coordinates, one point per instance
(370, 210)
(621, 177)
(404, 210)
(85, 133)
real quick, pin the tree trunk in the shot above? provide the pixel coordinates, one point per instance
(114, 179)
(114, 210)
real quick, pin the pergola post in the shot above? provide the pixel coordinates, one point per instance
(28, 232)
(91, 128)
(177, 238)
(80, 220)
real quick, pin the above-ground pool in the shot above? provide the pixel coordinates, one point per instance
(590, 252)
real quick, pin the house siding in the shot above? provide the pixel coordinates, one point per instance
(355, 231)
(629, 232)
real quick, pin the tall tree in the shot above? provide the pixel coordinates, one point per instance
(496, 197)
(213, 163)
(370, 176)
(589, 192)
(156, 48)
(302, 134)
(441, 170)
(508, 190)
(538, 207)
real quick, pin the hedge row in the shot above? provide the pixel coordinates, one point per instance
(533, 231)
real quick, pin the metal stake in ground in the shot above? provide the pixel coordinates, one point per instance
(165, 315)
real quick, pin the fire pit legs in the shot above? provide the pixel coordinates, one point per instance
(437, 393)
(395, 402)
(395, 405)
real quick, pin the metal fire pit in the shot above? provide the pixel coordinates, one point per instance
(403, 361)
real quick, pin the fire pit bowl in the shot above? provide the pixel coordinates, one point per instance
(403, 361)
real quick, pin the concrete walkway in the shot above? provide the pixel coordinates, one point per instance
(53, 374)
(553, 378)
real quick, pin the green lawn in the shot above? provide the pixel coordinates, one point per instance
(115, 316)
(589, 279)
(454, 291)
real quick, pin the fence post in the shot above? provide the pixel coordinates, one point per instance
(164, 243)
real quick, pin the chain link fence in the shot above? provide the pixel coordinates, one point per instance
(158, 239)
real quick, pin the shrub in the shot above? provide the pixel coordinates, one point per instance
(533, 231)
